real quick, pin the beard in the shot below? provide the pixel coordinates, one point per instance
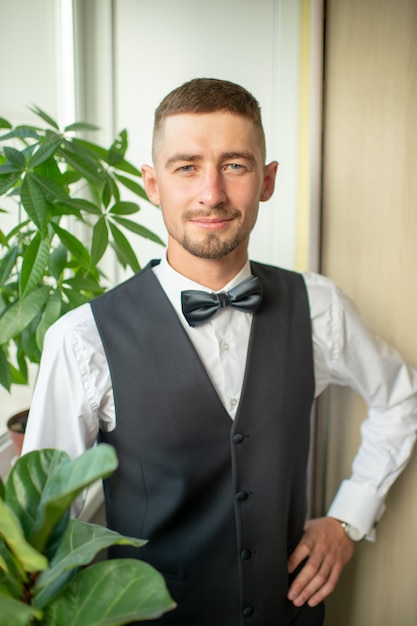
(212, 246)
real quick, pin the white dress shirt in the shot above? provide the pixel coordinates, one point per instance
(73, 397)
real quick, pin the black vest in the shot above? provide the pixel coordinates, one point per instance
(221, 502)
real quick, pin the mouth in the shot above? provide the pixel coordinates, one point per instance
(210, 221)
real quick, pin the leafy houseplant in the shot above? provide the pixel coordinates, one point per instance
(60, 184)
(45, 572)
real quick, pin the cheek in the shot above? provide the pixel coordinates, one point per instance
(173, 208)
(174, 195)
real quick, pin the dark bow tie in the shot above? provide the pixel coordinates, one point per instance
(199, 306)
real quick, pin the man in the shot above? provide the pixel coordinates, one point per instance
(210, 417)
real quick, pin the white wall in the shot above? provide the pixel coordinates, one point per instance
(28, 69)
(159, 45)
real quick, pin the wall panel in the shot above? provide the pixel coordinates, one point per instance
(370, 250)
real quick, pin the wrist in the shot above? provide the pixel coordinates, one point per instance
(352, 532)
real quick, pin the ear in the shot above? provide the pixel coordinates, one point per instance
(270, 172)
(150, 184)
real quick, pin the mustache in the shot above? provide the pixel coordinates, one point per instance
(217, 212)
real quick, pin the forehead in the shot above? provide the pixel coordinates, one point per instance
(207, 132)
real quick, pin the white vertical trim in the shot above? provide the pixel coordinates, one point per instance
(65, 63)
(284, 142)
(95, 85)
(316, 131)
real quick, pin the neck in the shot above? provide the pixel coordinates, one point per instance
(212, 273)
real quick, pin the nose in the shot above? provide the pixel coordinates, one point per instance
(212, 192)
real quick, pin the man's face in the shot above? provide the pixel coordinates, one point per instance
(209, 178)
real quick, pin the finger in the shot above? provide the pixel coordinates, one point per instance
(300, 553)
(311, 578)
(326, 589)
(319, 586)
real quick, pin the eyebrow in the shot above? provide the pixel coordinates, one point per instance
(180, 156)
(242, 154)
(188, 158)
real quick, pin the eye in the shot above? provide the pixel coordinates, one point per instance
(235, 167)
(185, 170)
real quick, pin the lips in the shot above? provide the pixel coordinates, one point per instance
(211, 223)
(212, 220)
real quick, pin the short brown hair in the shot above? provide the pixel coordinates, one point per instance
(208, 95)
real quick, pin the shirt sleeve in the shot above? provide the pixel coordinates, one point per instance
(347, 352)
(72, 396)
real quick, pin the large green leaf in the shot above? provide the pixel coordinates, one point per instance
(51, 313)
(99, 241)
(118, 148)
(7, 264)
(133, 186)
(10, 529)
(80, 204)
(50, 182)
(49, 482)
(5, 371)
(20, 229)
(21, 132)
(111, 593)
(127, 167)
(16, 613)
(80, 283)
(26, 483)
(7, 181)
(75, 298)
(12, 581)
(4, 123)
(82, 162)
(96, 152)
(35, 261)
(73, 245)
(124, 208)
(45, 151)
(15, 157)
(123, 248)
(21, 313)
(28, 344)
(46, 118)
(138, 229)
(20, 376)
(107, 192)
(80, 126)
(58, 261)
(34, 201)
(80, 544)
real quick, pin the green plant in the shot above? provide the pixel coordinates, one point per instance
(66, 191)
(45, 576)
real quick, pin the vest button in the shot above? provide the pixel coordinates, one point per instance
(238, 438)
(245, 554)
(241, 496)
(248, 611)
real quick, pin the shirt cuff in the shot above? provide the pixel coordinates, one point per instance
(358, 505)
